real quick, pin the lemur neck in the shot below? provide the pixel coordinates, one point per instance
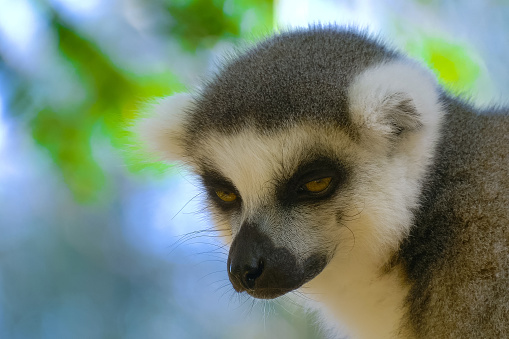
(369, 301)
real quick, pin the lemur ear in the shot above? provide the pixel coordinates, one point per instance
(391, 99)
(160, 127)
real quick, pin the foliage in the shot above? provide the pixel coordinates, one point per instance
(453, 63)
(113, 93)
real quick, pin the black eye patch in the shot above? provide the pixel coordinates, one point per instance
(215, 182)
(294, 190)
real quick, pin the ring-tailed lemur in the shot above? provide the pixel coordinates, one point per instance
(344, 170)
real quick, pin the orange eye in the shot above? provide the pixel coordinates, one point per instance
(317, 186)
(226, 196)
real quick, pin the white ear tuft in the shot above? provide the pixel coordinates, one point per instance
(392, 98)
(160, 127)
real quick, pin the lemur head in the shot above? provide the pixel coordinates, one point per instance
(311, 146)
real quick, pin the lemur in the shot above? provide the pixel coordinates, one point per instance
(344, 170)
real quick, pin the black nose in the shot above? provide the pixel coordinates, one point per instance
(244, 274)
(256, 266)
(266, 271)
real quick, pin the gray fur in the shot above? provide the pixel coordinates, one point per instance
(293, 76)
(457, 255)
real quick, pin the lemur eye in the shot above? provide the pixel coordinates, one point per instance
(226, 196)
(317, 186)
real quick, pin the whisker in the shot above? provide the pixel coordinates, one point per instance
(356, 215)
(193, 235)
(187, 203)
(287, 300)
(222, 261)
(222, 287)
(209, 274)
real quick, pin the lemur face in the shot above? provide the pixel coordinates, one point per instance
(285, 197)
(296, 198)
(307, 154)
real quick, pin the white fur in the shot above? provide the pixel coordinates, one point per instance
(358, 300)
(162, 127)
(367, 97)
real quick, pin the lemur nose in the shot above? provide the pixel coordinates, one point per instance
(258, 267)
(248, 264)
(246, 274)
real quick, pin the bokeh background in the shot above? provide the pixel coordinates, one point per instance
(98, 242)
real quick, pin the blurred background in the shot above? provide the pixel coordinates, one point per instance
(97, 242)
